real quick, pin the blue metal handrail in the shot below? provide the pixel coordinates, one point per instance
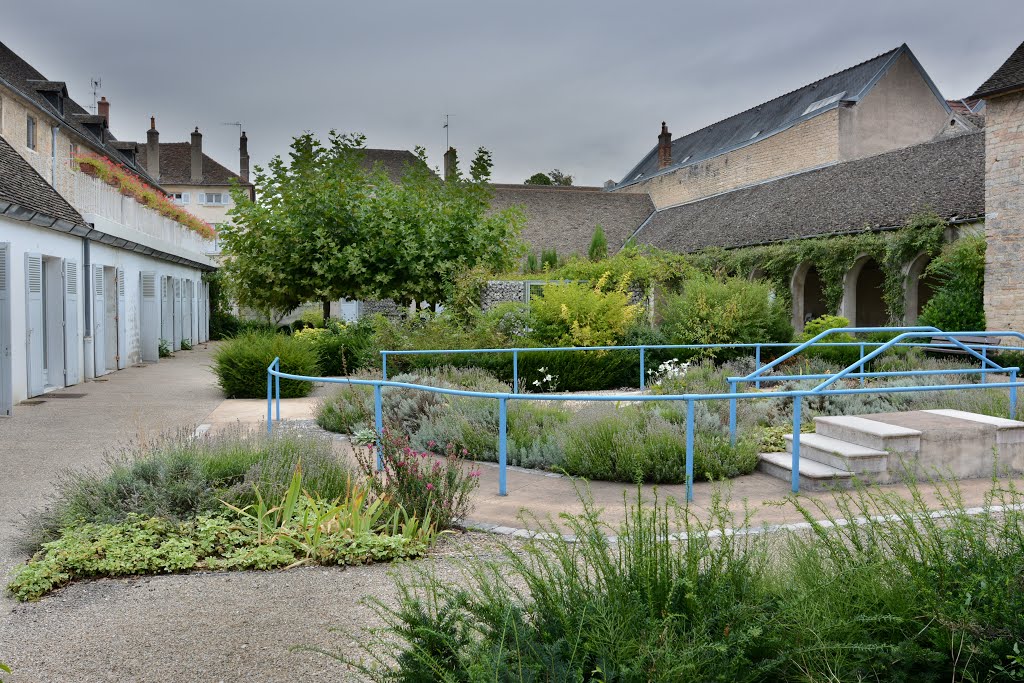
(274, 375)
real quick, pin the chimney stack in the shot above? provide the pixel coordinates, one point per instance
(153, 150)
(103, 109)
(197, 156)
(451, 164)
(243, 158)
(664, 147)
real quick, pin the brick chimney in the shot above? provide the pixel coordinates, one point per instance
(197, 156)
(451, 164)
(103, 109)
(153, 150)
(664, 147)
(243, 158)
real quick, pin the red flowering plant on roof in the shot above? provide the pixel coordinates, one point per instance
(132, 186)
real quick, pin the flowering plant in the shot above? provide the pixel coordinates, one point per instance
(668, 371)
(132, 186)
(546, 381)
(435, 489)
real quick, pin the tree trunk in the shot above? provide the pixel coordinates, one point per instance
(327, 309)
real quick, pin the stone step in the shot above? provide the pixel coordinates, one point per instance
(840, 454)
(869, 433)
(1011, 431)
(814, 476)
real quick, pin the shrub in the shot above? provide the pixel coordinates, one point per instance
(957, 304)
(573, 314)
(437, 491)
(598, 245)
(842, 355)
(549, 259)
(241, 364)
(723, 311)
(340, 348)
(164, 349)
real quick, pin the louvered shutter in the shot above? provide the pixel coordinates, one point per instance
(149, 322)
(166, 310)
(176, 341)
(99, 313)
(72, 347)
(34, 322)
(6, 378)
(122, 323)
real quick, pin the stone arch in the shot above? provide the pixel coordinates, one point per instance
(808, 292)
(918, 287)
(864, 294)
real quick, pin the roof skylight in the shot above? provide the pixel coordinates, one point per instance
(821, 104)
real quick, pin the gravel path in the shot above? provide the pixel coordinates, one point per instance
(237, 626)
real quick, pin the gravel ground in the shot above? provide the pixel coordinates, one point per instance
(238, 626)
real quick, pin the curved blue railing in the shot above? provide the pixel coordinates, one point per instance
(856, 370)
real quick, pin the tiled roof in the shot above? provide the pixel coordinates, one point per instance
(564, 218)
(22, 187)
(392, 161)
(770, 117)
(1008, 77)
(23, 78)
(945, 177)
(176, 166)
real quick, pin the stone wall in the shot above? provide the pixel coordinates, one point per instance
(500, 291)
(386, 307)
(810, 144)
(1004, 207)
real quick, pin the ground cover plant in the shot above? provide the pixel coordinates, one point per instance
(239, 500)
(898, 595)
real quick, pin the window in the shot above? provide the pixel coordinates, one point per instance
(180, 197)
(815, 106)
(30, 133)
(213, 198)
(72, 151)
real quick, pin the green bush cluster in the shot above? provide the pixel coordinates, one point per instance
(902, 596)
(958, 301)
(241, 364)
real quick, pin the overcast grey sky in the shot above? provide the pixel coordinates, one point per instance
(581, 86)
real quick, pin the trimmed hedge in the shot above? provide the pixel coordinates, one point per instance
(241, 364)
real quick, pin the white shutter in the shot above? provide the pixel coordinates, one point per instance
(34, 322)
(99, 312)
(122, 323)
(72, 347)
(149, 322)
(176, 339)
(6, 379)
(184, 197)
(204, 310)
(193, 332)
(166, 310)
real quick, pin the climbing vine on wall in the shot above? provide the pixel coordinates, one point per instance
(833, 257)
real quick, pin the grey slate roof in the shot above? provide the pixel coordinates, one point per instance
(1008, 77)
(176, 166)
(564, 218)
(946, 177)
(23, 78)
(21, 187)
(770, 117)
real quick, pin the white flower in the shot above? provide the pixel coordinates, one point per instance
(547, 378)
(542, 370)
(536, 382)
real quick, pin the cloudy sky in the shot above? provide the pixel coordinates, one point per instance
(578, 85)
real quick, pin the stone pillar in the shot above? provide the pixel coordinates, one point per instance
(197, 156)
(451, 164)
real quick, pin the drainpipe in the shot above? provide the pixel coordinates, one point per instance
(89, 364)
(53, 156)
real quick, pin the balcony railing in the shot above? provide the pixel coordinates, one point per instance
(93, 196)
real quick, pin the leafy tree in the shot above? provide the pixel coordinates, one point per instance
(598, 245)
(538, 179)
(324, 227)
(559, 178)
(958, 302)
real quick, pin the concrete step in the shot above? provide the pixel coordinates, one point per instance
(870, 433)
(1009, 435)
(840, 454)
(814, 476)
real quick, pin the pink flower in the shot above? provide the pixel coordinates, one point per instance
(431, 444)
(430, 487)
(474, 473)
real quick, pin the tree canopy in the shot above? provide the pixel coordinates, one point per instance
(553, 177)
(324, 226)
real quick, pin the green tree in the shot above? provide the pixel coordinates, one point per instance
(958, 302)
(598, 245)
(559, 178)
(538, 179)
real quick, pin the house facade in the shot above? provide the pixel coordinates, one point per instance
(90, 278)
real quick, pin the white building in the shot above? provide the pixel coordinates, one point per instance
(91, 280)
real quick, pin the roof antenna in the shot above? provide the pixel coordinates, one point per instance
(235, 123)
(95, 83)
(445, 126)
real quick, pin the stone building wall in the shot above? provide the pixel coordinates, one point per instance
(1004, 207)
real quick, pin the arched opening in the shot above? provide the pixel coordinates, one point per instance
(863, 294)
(808, 295)
(918, 288)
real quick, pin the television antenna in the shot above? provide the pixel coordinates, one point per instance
(237, 124)
(447, 146)
(95, 83)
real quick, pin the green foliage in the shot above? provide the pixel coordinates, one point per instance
(729, 310)
(223, 323)
(549, 259)
(164, 349)
(341, 348)
(958, 302)
(598, 250)
(241, 364)
(532, 264)
(559, 178)
(572, 314)
(186, 344)
(902, 596)
(538, 179)
(843, 355)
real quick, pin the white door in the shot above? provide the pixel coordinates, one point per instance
(149, 323)
(176, 340)
(35, 337)
(166, 311)
(122, 323)
(54, 374)
(6, 377)
(72, 347)
(99, 328)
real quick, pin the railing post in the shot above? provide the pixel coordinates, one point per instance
(797, 405)
(732, 413)
(757, 364)
(384, 365)
(277, 386)
(861, 361)
(502, 445)
(270, 385)
(378, 421)
(984, 364)
(515, 372)
(642, 368)
(689, 450)
(1013, 394)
